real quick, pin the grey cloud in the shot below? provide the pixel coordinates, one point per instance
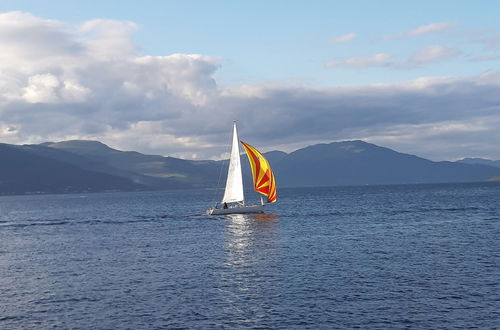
(295, 115)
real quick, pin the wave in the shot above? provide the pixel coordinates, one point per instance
(21, 225)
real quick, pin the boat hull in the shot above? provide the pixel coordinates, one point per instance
(237, 210)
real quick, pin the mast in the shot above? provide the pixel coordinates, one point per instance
(234, 182)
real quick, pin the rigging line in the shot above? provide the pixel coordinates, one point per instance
(217, 187)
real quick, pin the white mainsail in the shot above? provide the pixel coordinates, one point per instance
(234, 183)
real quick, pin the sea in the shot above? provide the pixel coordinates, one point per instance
(368, 257)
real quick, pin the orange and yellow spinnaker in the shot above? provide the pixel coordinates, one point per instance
(263, 177)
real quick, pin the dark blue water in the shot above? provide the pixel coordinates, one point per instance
(389, 257)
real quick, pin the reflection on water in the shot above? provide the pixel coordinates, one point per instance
(246, 233)
(266, 217)
(238, 235)
(252, 255)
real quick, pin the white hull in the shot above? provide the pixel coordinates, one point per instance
(236, 210)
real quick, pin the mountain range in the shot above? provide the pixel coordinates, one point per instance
(494, 163)
(91, 166)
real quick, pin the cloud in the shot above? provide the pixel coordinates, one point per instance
(381, 59)
(376, 112)
(172, 105)
(108, 39)
(91, 78)
(430, 28)
(423, 29)
(31, 43)
(492, 43)
(432, 54)
(448, 139)
(426, 55)
(344, 38)
(485, 58)
(41, 89)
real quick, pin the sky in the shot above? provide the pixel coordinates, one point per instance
(169, 77)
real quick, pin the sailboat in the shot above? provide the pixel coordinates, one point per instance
(264, 183)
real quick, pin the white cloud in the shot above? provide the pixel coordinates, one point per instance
(73, 92)
(188, 75)
(41, 89)
(46, 88)
(29, 43)
(381, 59)
(108, 39)
(431, 54)
(424, 29)
(421, 57)
(430, 28)
(343, 38)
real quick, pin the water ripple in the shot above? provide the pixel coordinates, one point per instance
(424, 257)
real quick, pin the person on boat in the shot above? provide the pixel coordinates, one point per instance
(225, 205)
